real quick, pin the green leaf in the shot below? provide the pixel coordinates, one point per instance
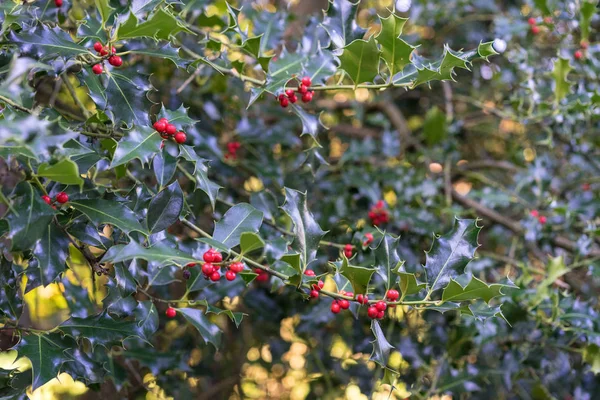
(166, 51)
(409, 284)
(310, 122)
(209, 331)
(100, 329)
(164, 166)
(562, 86)
(320, 66)
(11, 301)
(381, 347)
(250, 241)
(445, 70)
(215, 244)
(358, 60)
(485, 50)
(294, 262)
(201, 173)
(31, 215)
(307, 232)
(161, 25)
(161, 254)
(252, 46)
(281, 70)
(47, 355)
(237, 220)
(387, 260)
(340, 24)
(542, 5)
(125, 97)
(46, 42)
(435, 127)
(17, 150)
(51, 252)
(586, 13)
(165, 208)
(140, 143)
(235, 317)
(555, 269)
(476, 289)
(591, 356)
(394, 51)
(109, 212)
(64, 171)
(104, 9)
(481, 311)
(177, 117)
(359, 277)
(450, 253)
(83, 156)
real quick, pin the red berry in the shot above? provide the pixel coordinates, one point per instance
(180, 137)
(531, 21)
(372, 312)
(62, 197)
(229, 275)
(368, 239)
(283, 101)
(309, 272)
(380, 204)
(302, 89)
(170, 129)
(104, 51)
(58, 3)
(237, 267)
(215, 276)
(362, 299)
(320, 285)
(97, 69)
(335, 307)
(380, 314)
(393, 295)
(314, 294)
(114, 50)
(262, 277)
(171, 312)
(208, 269)
(289, 93)
(47, 199)
(344, 304)
(584, 44)
(217, 256)
(307, 97)
(535, 29)
(189, 265)
(578, 55)
(380, 305)
(163, 119)
(160, 126)
(293, 99)
(586, 187)
(209, 256)
(98, 46)
(349, 294)
(306, 81)
(115, 61)
(187, 274)
(542, 219)
(534, 213)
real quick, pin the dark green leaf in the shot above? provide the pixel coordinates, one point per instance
(64, 171)
(51, 251)
(340, 24)
(100, 329)
(394, 51)
(104, 9)
(359, 277)
(44, 42)
(11, 301)
(358, 60)
(161, 254)
(165, 208)
(108, 212)
(387, 260)
(409, 284)
(310, 122)
(209, 331)
(381, 347)
(237, 220)
(476, 289)
(161, 25)
(164, 166)
(250, 241)
(177, 117)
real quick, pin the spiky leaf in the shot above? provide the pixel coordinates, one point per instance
(237, 220)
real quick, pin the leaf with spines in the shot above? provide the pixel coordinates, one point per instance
(394, 51)
(160, 25)
(47, 353)
(358, 60)
(359, 277)
(100, 329)
(340, 22)
(201, 173)
(209, 332)
(586, 13)
(250, 241)
(161, 254)
(237, 220)
(307, 232)
(165, 208)
(51, 253)
(178, 117)
(109, 212)
(310, 122)
(44, 42)
(320, 66)
(65, 171)
(476, 289)
(11, 301)
(409, 284)
(381, 347)
(166, 52)
(285, 67)
(481, 311)
(104, 9)
(387, 260)
(140, 143)
(562, 86)
(450, 253)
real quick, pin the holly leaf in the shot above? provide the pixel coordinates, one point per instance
(17, 150)
(47, 42)
(359, 277)
(104, 9)
(481, 311)
(51, 252)
(178, 117)
(201, 173)
(586, 13)
(125, 97)
(450, 253)
(100, 329)
(358, 60)
(237, 220)
(164, 166)
(29, 218)
(394, 51)
(11, 301)
(166, 52)
(591, 356)
(409, 284)
(476, 289)
(320, 66)
(562, 86)
(161, 25)
(340, 22)
(209, 331)
(387, 260)
(165, 208)
(161, 254)
(307, 232)
(281, 70)
(101, 211)
(140, 143)
(381, 347)
(310, 122)
(47, 353)
(65, 171)
(250, 241)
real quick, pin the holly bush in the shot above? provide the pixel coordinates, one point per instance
(320, 199)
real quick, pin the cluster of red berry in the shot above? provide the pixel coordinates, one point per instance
(377, 310)
(535, 28)
(541, 218)
(378, 214)
(61, 198)
(263, 276)
(290, 96)
(584, 44)
(368, 239)
(167, 130)
(341, 304)
(232, 148)
(316, 287)
(113, 60)
(348, 250)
